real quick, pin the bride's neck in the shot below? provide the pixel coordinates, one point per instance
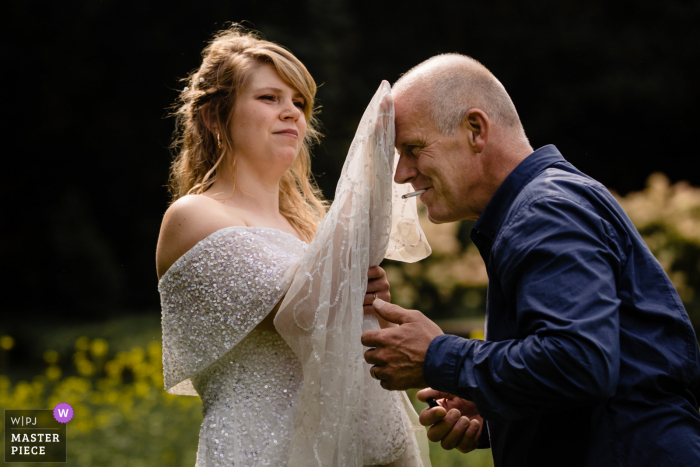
(253, 191)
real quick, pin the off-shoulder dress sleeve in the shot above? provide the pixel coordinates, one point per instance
(216, 293)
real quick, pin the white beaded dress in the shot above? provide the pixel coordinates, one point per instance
(302, 396)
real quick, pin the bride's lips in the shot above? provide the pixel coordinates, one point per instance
(292, 133)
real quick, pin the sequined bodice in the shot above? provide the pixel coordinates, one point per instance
(249, 402)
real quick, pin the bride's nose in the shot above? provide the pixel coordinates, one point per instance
(290, 111)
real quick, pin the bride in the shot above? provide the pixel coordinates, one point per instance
(262, 291)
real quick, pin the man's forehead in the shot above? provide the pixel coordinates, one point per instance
(412, 124)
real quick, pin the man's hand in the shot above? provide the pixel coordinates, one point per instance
(456, 423)
(399, 352)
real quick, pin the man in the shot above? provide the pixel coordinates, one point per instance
(589, 357)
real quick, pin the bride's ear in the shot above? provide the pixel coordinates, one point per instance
(208, 119)
(477, 125)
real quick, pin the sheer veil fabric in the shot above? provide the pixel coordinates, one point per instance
(344, 417)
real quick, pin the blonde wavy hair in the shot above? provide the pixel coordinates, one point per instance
(228, 61)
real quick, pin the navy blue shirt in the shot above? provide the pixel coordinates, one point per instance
(589, 357)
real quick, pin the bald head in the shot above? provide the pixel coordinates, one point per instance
(448, 85)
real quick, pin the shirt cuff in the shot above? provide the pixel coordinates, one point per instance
(484, 439)
(442, 364)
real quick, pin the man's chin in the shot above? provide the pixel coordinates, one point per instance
(435, 216)
(441, 216)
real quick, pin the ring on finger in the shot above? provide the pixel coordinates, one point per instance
(371, 372)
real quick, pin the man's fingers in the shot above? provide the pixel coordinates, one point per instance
(470, 440)
(372, 358)
(439, 430)
(429, 393)
(371, 338)
(430, 416)
(392, 313)
(456, 434)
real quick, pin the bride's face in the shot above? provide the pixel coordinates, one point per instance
(268, 125)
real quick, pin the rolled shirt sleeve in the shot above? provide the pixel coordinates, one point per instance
(557, 263)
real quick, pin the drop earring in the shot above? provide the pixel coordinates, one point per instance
(218, 140)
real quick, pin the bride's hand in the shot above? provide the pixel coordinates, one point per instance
(377, 284)
(385, 108)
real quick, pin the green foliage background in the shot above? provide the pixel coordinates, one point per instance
(111, 373)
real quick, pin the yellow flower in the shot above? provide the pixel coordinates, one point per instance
(99, 348)
(7, 342)
(85, 367)
(53, 372)
(51, 356)
(82, 343)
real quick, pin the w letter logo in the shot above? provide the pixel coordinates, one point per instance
(63, 413)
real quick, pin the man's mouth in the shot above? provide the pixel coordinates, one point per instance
(414, 193)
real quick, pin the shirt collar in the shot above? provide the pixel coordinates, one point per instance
(491, 219)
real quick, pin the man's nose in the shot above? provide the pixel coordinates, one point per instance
(405, 171)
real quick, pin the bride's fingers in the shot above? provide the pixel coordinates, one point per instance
(375, 272)
(384, 109)
(386, 101)
(369, 297)
(384, 106)
(378, 285)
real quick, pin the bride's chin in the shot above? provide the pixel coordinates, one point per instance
(287, 158)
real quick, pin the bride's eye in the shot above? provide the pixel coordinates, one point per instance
(299, 104)
(268, 97)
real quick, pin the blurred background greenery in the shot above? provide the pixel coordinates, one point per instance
(86, 137)
(111, 372)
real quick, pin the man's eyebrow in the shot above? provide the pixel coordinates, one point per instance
(413, 141)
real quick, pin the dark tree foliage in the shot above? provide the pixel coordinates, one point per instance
(86, 87)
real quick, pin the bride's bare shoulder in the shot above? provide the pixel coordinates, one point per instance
(188, 221)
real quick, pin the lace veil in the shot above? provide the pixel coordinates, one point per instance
(344, 418)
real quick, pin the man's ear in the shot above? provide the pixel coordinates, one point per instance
(209, 121)
(477, 125)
